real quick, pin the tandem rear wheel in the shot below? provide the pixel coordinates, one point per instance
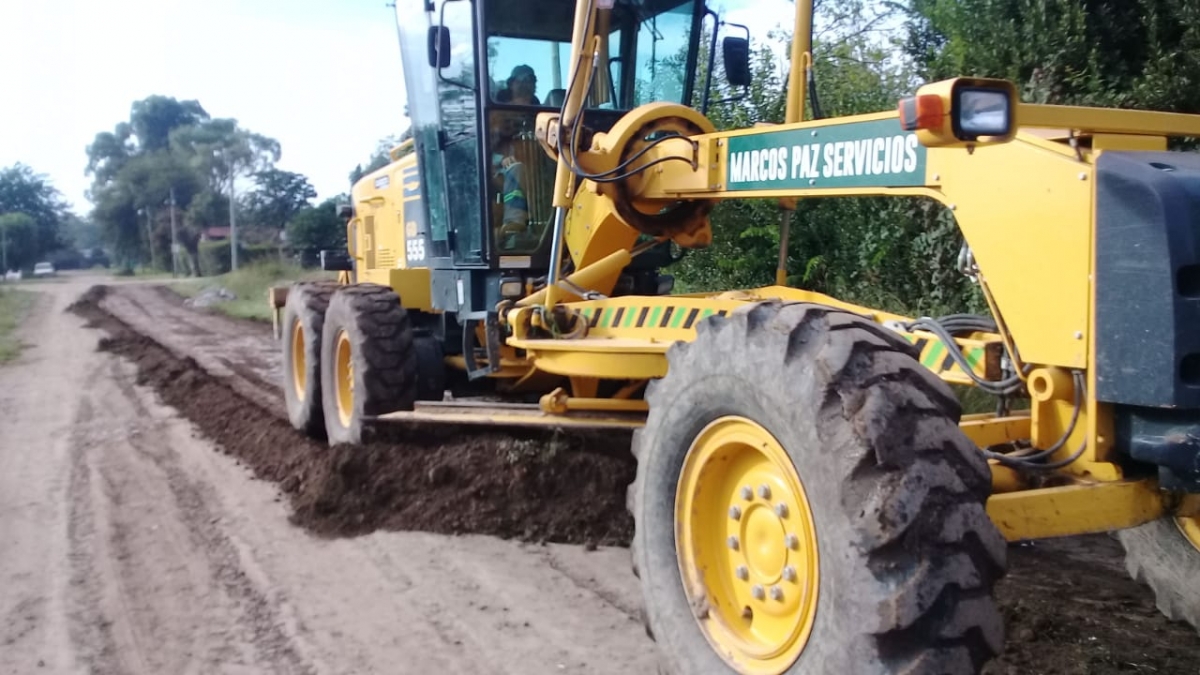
(1164, 554)
(368, 363)
(303, 322)
(811, 506)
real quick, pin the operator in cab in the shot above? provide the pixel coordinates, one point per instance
(507, 171)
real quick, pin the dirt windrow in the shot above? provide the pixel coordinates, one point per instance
(536, 486)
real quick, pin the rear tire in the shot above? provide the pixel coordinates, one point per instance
(303, 322)
(906, 556)
(1158, 555)
(368, 364)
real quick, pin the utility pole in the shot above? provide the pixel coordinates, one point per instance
(150, 234)
(174, 239)
(232, 224)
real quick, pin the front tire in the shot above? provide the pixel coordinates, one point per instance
(368, 365)
(868, 551)
(1164, 554)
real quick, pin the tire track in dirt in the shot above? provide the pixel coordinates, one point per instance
(138, 524)
(91, 632)
(226, 567)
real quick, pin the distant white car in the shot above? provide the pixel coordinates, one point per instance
(12, 275)
(43, 269)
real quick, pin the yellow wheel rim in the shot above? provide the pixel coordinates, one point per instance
(343, 372)
(1190, 527)
(299, 372)
(747, 546)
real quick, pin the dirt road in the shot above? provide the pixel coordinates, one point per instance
(158, 515)
(132, 546)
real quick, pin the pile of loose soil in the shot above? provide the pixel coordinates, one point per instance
(532, 485)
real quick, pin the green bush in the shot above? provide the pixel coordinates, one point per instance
(214, 256)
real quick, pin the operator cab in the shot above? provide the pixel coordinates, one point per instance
(479, 71)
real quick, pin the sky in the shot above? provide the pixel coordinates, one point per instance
(323, 77)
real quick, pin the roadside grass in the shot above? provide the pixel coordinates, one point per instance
(249, 284)
(14, 305)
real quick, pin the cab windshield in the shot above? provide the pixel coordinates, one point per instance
(644, 52)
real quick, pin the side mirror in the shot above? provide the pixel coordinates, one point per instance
(736, 52)
(439, 47)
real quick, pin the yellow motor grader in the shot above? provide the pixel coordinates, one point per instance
(810, 497)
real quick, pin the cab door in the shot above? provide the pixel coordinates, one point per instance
(442, 87)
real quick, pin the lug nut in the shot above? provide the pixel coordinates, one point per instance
(764, 491)
(789, 573)
(742, 573)
(733, 543)
(792, 541)
(735, 513)
(747, 493)
(776, 593)
(757, 592)
(781, 510)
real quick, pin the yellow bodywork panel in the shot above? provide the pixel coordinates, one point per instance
(1036, 249)
(627, 337)
(987, 430)
(414, 287)
(1075, 509)
(387, 216)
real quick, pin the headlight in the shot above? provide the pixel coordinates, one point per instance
(510, 288)
(961, 112)
(983, 112)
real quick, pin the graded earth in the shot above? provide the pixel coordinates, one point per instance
(160, 516)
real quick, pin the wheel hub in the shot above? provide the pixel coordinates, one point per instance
(1190, 527)
(747, 546)
(344, 375)
(299, 363)
(765, 552)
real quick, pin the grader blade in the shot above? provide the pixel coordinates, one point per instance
(510, 415)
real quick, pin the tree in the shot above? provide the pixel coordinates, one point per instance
(81, 233)
(278, 196)
(316, 228)
(18, 237)
(221, 150)
(382, 155)
(154, 118)
(168, 149)
(1128, 53)
(22, 190)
